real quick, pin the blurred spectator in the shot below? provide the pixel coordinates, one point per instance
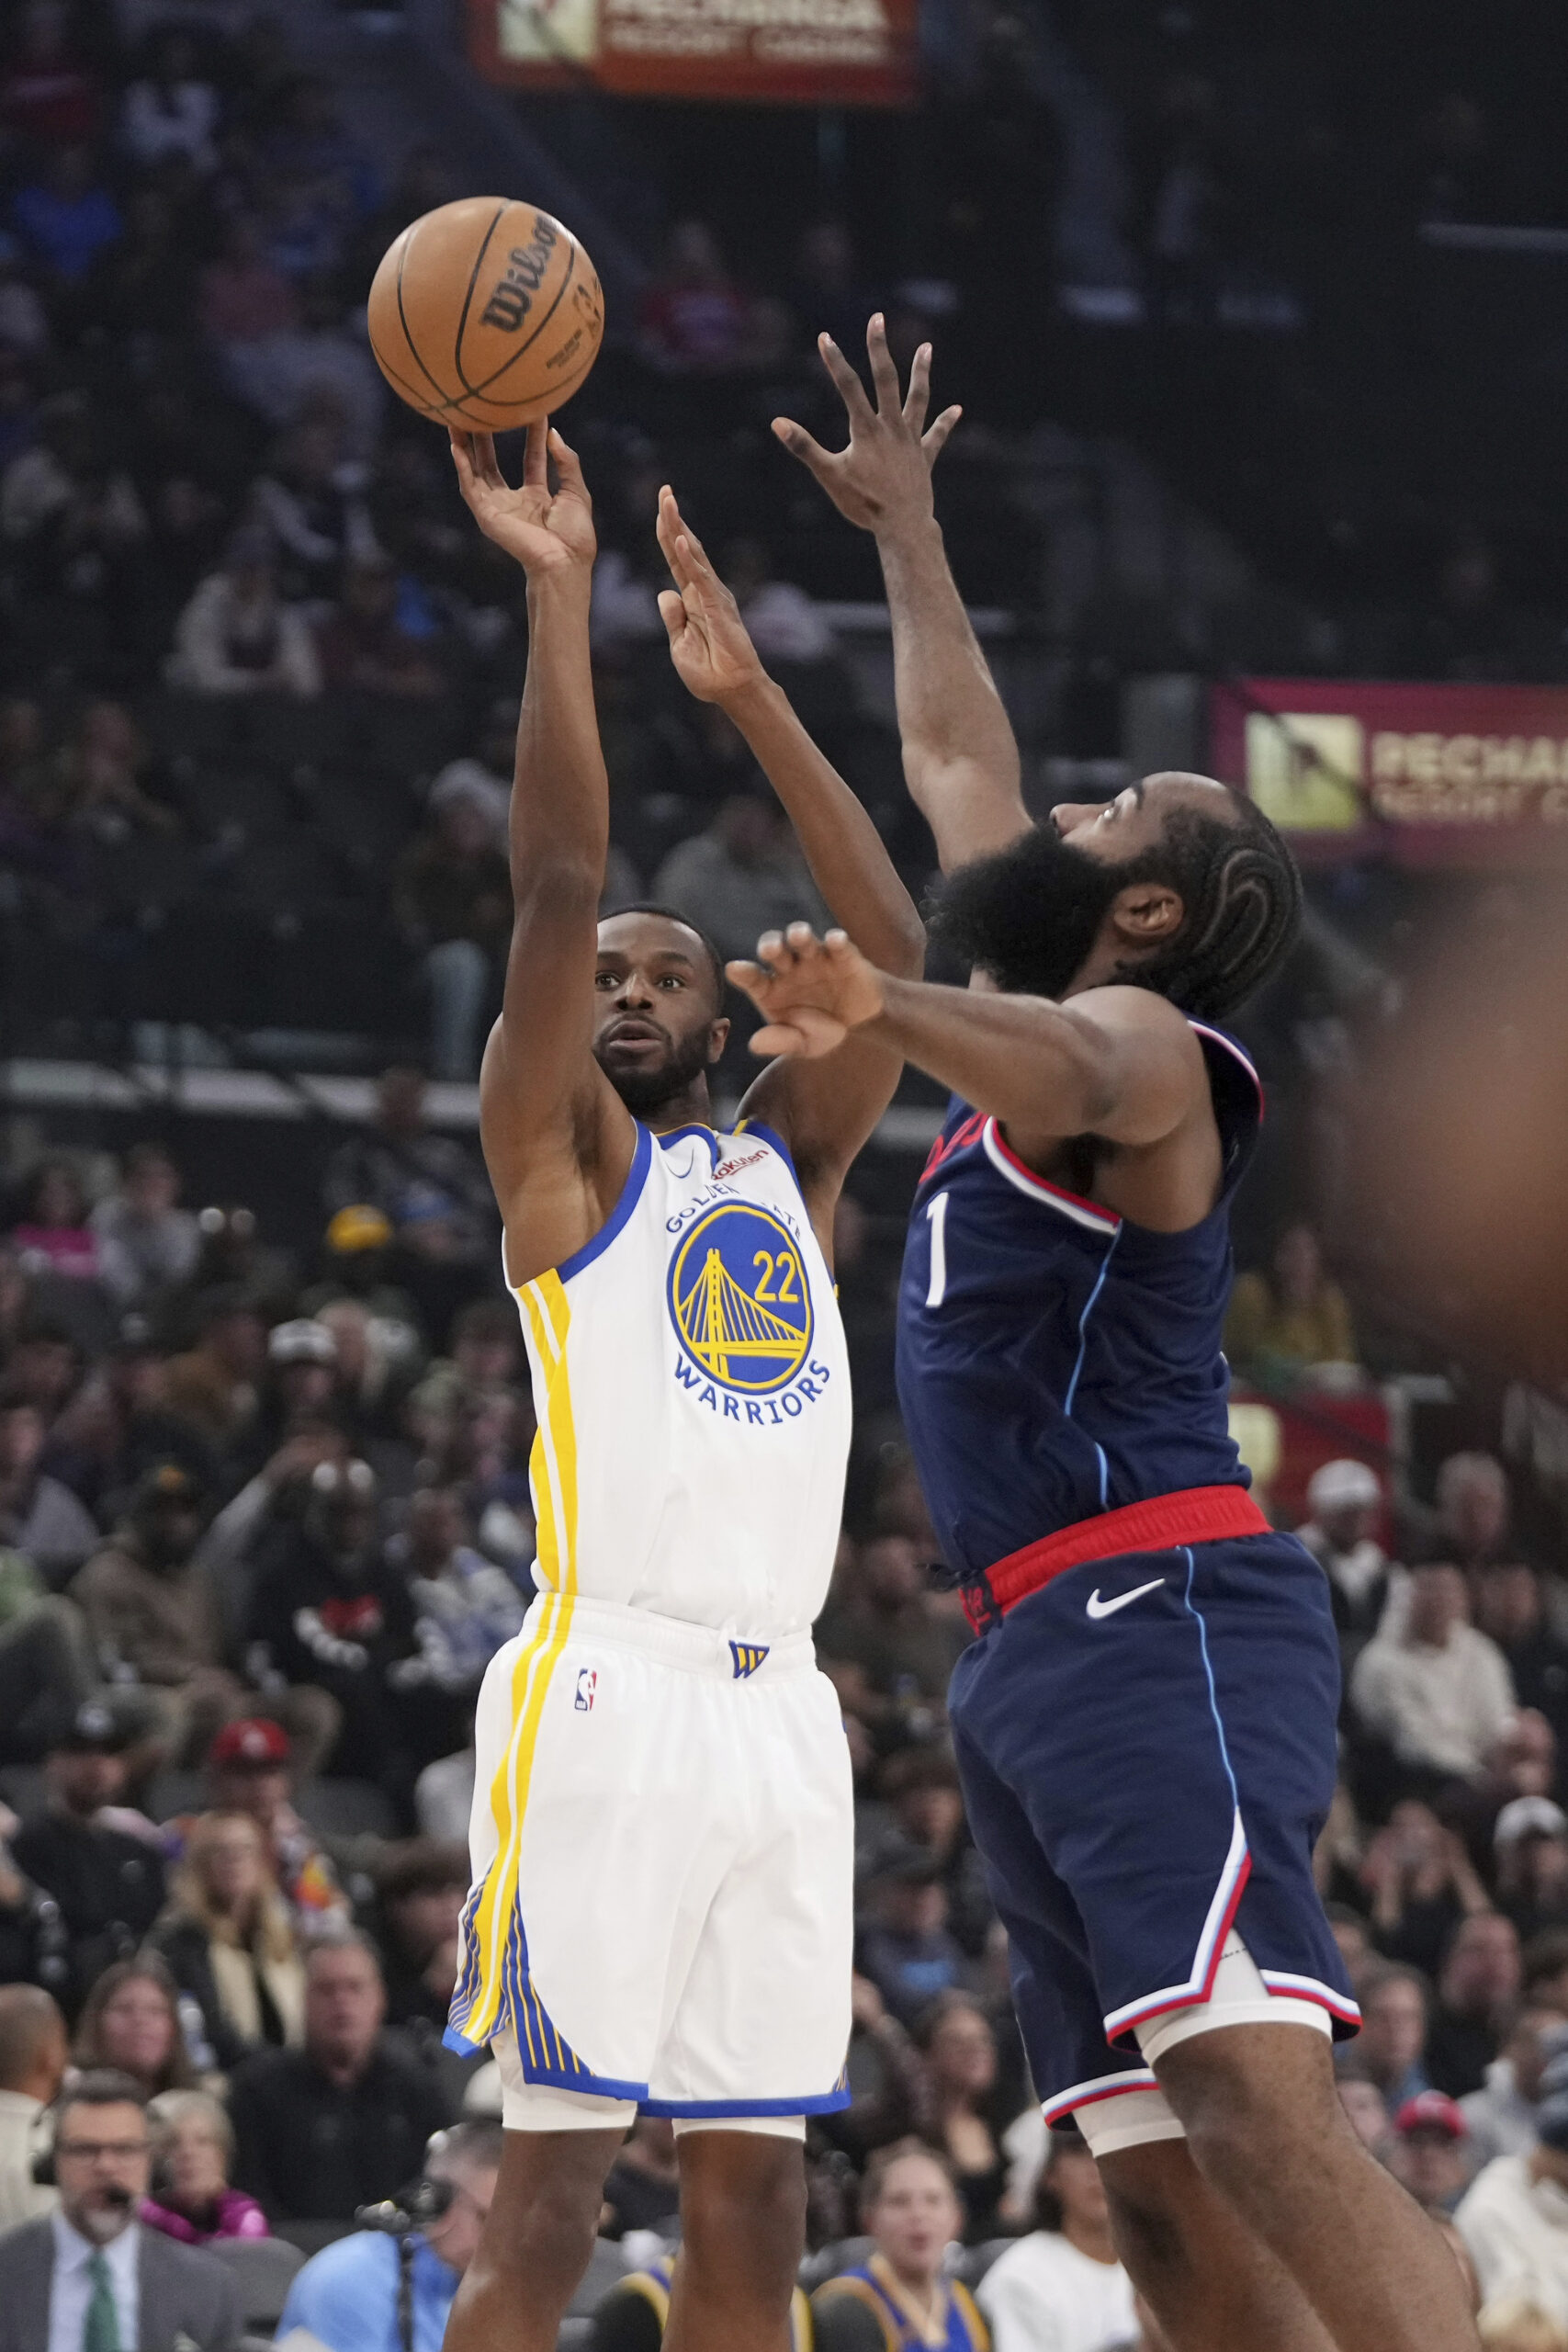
(909, 2206)
(905, 1947)
(364, 647)
(51, 1233)
(213, 1385)
(153, 1614)
(39, 1518)
(1508, 1606)
(881, 1625)
(90, 2274)
(238, 637)
(1366, 2110)
(1436, 1691)
(45, 1363)
(1515, 2218)
(193, 2149)
(922, 1786)
(172, 113)
(420, 1886)
(1514, 2324)
(1283, 1323)
(343, 2121)
(1473, 1508)
(781, 620)
(348, 2296)
(24, 322)
(484, 775)
(228, 1940)
(1062, 2286)
(66, 216)
(1431, 2157)
(960, 2050)
(245, 299)
(1500, 2117)
(642, 2190)
(329, 1611)
(101, 778)
(131, 2021)
(417, 1179)
(1478, 1988)
(1345, 1504)
(118, 1425)
(743, 876)
(249, 1770)
(48, 97)
(315, 361)
(311, 500)
(1389, 2050)
(694, 317)
(1422, 1886)
(1531, 1839)
(33, 2055)
(147, 1243)
(464, 1607)
(453, 900)
(826, 293)
(108, 1884)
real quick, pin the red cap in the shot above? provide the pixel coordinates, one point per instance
(255, 1740)
(1432, 2112)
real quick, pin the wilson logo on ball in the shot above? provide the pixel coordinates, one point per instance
(513, 299)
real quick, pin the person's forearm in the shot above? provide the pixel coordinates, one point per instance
(1020, 1058)
(844, 849)
(560, 798)
(960, 755)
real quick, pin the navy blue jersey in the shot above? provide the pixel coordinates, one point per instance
(1054, 1360)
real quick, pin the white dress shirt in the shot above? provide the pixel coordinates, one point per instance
(70, 2290)
(1517, 2230)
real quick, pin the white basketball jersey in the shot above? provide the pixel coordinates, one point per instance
(692, 1391)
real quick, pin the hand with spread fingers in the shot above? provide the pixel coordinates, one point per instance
(545, 531)
(708, 642)
(811, 991)
(884, 474)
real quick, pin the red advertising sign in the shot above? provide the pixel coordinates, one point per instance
(1433, 774)
(803, 52)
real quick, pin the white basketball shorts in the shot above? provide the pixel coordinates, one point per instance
(662, 1842)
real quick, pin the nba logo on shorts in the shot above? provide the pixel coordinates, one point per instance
(587, 1683)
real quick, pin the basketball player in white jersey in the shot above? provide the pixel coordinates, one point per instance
(660, 1917)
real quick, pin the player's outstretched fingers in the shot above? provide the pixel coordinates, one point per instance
(934, 441)
(852, 391)
(799, 443)
(672, 613)
(535, 455)
(569, 465)
(917, 398)
(883, 372)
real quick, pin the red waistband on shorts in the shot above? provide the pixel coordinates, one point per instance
(1196, 1515)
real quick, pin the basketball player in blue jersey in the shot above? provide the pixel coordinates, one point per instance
(1145, 1724)
(662, 1831)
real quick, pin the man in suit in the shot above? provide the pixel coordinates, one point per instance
(88, 2278)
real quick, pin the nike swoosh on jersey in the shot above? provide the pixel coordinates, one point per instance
(1098, 1608)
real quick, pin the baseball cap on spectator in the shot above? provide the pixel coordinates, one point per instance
(254, 1744)
(359, 1227)
(1529, 1818)
(1343, 1485)
(166, 1482)
(301, 1341)
(1431, 2111)
(93, 1729)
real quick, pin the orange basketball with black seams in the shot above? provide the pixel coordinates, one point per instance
(486, 313)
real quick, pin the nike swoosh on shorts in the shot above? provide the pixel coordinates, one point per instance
(1098, 1608)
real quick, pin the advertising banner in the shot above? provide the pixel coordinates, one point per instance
(801, 52)
(1431, 774)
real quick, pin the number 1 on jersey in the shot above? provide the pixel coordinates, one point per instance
(936, 1217)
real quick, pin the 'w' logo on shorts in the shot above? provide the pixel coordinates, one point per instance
(748, 1656)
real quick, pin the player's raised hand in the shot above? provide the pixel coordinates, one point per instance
(884, 477)
(546, 531)
(708, 641)
(811, 991)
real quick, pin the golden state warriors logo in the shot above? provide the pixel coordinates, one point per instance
(740, 1300)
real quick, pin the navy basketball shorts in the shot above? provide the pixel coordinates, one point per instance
(1147, 1748)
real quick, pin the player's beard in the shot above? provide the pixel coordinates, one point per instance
(644, 1092)
(1028, 914)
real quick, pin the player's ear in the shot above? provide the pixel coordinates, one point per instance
(718, 1037)
(1145, 914)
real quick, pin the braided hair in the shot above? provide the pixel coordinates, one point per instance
(1243, 899)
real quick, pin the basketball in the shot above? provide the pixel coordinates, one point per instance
(485, 313)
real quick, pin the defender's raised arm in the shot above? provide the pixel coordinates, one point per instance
(960, 756)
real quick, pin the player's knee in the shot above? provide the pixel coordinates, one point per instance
(547, 2231)
(1145, 2227)
(743, 2208)
(1241, 2097)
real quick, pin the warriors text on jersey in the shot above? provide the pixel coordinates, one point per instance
(662, 1825)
